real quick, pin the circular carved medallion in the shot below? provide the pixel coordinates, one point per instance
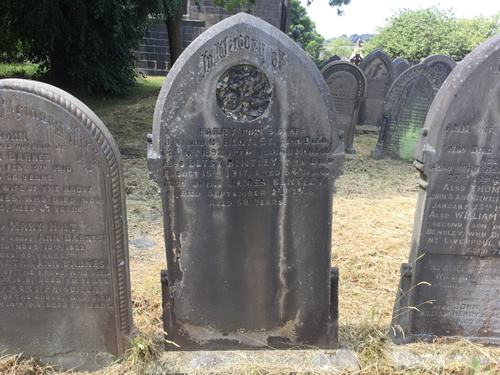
(243, 93)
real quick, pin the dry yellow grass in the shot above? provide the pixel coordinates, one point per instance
(372, 227)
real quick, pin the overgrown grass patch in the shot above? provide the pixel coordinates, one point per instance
(21, 70)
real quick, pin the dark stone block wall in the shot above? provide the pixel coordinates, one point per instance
(153, 55)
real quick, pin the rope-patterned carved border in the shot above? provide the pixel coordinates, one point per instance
(118, 214)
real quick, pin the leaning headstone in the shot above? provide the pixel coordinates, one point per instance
(377, 67)
(405, 110)
(245, 148)
(399, 65)
(64, 291)
(450, 287)
(347, 85)
(441, 64)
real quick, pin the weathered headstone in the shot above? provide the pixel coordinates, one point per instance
(64, 284)
(377, 67)
(405, 110)
(332, 59)
(399, 65)
(453, 275)
(441, 64)
(245, 148)
(347, 85)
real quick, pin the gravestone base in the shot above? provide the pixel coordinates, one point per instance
(176, 337)
(350, 150)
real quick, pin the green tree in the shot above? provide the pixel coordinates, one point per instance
(341, 46)
(87, 43)
(311, 41)
(416, 34)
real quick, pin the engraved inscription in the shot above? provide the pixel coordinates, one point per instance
(50, 256)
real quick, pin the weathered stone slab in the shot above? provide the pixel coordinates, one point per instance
(377, 67)
(400, 65)
(405, 110)
(347, 85)
(454, 259)
(245, 148)
(441, 64)
(64, 284)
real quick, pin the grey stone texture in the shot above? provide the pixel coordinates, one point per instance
(441, 64)
(377, 67)
(399, 65)
(453, 272)
(347, 85)
(64, 286)
(405, 109)
(246, 149)
(153, 55)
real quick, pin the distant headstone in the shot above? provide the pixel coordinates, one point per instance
(332, 59)
(399, 65)
(405, 110)
(64, 291)
(441, 64)
(377, 67)
(347, 85)
(245, 148)
(450, 288)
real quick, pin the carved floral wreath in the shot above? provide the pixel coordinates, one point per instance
(243, 93)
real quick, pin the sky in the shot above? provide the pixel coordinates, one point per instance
(364, 16)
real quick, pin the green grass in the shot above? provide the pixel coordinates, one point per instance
(128, 118)
(22, 70)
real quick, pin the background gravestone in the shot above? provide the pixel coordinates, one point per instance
(441, 64)
(332, 59)
(245, 150)
(405, 110)
(399, 65)
(64, 284)
(455, 246)
(347, 85)
(377, 67)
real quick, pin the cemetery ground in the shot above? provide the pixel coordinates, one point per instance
(373, 216)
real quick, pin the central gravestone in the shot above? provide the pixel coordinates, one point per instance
(245, 150)
(451, 285)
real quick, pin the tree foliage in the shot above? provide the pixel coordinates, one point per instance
(416, 34)
(81, 42)
(311, 41)
(341, 46)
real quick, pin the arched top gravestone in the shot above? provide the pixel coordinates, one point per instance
(377, 67)
(441, 64)
(456, 245)
(405, 109)
(400, 65)
(347, 85)
(64, 291)
(246, 148)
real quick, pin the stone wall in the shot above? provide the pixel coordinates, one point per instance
(153, 55)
